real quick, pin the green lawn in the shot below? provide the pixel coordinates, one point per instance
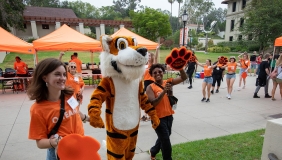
(243, 146)
(86, 57)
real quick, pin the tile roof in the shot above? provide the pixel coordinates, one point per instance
(49, 12)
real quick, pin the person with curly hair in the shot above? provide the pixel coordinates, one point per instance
(158, 96)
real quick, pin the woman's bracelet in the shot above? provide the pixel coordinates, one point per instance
(50, 143)
(84, 119)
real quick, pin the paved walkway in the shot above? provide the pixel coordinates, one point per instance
(193, 119)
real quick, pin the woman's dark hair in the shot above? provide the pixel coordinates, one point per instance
(157, 65)
(210, 61)
(38, 90)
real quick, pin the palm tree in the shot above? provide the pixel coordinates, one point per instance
(179, 1)
(171, 1)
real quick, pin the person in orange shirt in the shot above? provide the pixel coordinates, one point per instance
(49, 91)
(77, 62)
(245, 66)
(148, 79)
(75, 81)
(159, 99)
(21, 71)
(207, 83)
(20, 67)
(230, 75)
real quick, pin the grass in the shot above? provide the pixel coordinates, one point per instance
(86, 57)
(243, 146)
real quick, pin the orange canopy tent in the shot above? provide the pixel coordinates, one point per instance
(278, 42)
(11, 43)
(150, 45)
(65, 39)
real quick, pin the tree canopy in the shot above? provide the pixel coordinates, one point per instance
(43, 3)
(263, 21)
(151, 23)
(11, 12)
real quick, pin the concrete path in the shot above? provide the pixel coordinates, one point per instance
(193, 119)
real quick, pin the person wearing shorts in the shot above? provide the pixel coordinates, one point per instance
(207, 83)
(253, 60)
(245, 66)
(277, 80)
(230, 75)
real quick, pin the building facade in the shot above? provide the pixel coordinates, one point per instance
(234, 19)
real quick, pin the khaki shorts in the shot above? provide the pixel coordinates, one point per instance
(277, 80)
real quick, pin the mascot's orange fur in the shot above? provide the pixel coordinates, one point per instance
(122, 67)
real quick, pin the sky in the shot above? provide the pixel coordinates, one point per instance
(163, 4)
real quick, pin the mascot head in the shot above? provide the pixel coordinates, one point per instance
(122, 57)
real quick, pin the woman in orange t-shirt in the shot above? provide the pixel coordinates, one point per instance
(245, 66)
(75, 81)
(207, 83)
(158, 96)
(148, 79)
(230, 75)
(48, 90)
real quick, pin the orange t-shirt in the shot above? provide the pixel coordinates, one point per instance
(231, 67)
(75, 82)
(163, 109)
(207, 71)
(78, 64)
(44, 116)
(245, 63)
(147, 75)
(20, 67)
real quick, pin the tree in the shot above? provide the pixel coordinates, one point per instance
(171, 1)
(11, 13)
(84, 9)
(219, 16)
(196, 9)
(43, 3)
(151, 23)
(263, 21)
(125, 6)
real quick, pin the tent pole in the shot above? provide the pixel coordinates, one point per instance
(272, 58)
(91, 58)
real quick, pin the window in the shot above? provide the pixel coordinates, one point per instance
(231, 38)
(45, 26)
(241, 22)
(24, 26)
(250, 37)
(232, 25)
(244, 3)
(234, 7)
(239, 37)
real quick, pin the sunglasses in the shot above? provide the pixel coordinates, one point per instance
(156, 72)
(72, 66)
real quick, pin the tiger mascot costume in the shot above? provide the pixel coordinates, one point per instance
(122, 66)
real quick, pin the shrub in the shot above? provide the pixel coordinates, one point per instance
(30, 40)
(218, 49)
(199, 46)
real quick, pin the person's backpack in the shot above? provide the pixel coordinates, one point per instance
(9, 72)
(253, 58)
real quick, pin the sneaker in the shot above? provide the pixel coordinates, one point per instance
(272, 156)
(208, 100)
(189, 87)
(203, 99)
(217, 91)
(211, 91)
(229, 96)
(256, 96)
(273, 99)
(267, 96)
(239, 89)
